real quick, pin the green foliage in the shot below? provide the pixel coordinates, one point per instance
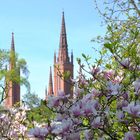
(137, 136)
(10, 68)
(66, 75)
(121, 42)
(85, 122)
(86, 57)
(4, 58)
(31, 100)
(40, 114)
(109, 47)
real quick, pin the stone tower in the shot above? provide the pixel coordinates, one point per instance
(13, 87)
(63, 63)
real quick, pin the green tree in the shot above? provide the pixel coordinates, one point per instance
(121, 44)
(40, 114)
(31, 100)
(11, 75)
(121, 49)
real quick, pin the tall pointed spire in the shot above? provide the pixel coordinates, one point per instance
(12, 53)
(50, 88)
(63, 29)
(12, 43)
(63, 47)
(54, 57)
(12, 85)
(63, 64)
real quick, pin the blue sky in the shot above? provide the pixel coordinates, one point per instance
(36, 25)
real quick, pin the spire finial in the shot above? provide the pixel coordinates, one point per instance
(63, 12)
(63, 28)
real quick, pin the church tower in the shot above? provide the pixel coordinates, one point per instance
(13, 87)
(63, 63)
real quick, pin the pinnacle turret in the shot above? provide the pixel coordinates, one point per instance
(50, 88)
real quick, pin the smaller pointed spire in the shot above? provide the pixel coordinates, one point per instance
(46, 93)
(54, 57)
(50, 88)
(12, 43)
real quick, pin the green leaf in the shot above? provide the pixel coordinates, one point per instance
(85, 121)
(108, 66)
(109, 46)
(66, 75)
(87, 58)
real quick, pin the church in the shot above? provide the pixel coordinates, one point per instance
(62, 63)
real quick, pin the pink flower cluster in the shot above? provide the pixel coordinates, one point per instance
(101, 107)
(12, 124)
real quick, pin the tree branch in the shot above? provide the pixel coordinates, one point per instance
(135, 6)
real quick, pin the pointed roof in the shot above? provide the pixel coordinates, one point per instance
(12, 53)
(12, 43)
(55, 57)
(63, 47)
(46, 93)
(50, 88)
(63, 28)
